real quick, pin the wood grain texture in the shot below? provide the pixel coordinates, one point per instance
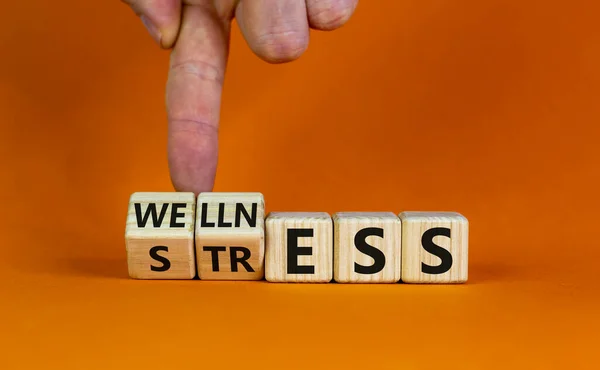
(346, 254)
(237, 238)
(278, 225)
(159, 232)
(414, 255)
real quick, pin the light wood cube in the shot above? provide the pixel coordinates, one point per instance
(159, 236)
(299, 247)
(435, 247)
(230, 236)
(367, 247)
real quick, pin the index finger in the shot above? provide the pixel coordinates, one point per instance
(193, 97)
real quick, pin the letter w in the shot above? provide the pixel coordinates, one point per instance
(156, 219)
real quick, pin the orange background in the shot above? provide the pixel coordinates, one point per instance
(489, 108)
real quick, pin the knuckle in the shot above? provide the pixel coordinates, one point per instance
(198, 68)
(279, 47)
(193, 125)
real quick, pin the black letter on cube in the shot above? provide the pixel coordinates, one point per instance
(293, 251)
(243, 259)
(377, 255)
(166, 264)
(431, 247)
(214, 251)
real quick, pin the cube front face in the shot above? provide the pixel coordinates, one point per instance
(159, 236)
(435, 247)
(299, 247)
(156, 258)
(367, 247)
(230, 242)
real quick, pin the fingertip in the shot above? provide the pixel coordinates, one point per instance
(169, 37)
(152, 29)
(162, 19)
(193, 156)
(276, 31)
(281, 48)
(166, 34)
(330, 15)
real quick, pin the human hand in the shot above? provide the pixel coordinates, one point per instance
(198, 31)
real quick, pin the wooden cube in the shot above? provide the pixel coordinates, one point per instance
(366, 247)
(159, 236)
(435, 247)
(230, 236)
(299, 247)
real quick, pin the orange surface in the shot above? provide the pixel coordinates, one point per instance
(490, 108)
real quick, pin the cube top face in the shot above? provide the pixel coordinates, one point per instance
(366, 216)
(431, 216)
(302, 216)
(230, 236)
(435, 247)
(299, 247)
(161, 215)
(367, 247)
(159, 236)
(233, 195)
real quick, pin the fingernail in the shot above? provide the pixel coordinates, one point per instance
(152, 29)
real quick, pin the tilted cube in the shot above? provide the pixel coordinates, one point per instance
(230, 236)
(159, 236)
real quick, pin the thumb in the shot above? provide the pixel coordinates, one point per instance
(162, 19)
